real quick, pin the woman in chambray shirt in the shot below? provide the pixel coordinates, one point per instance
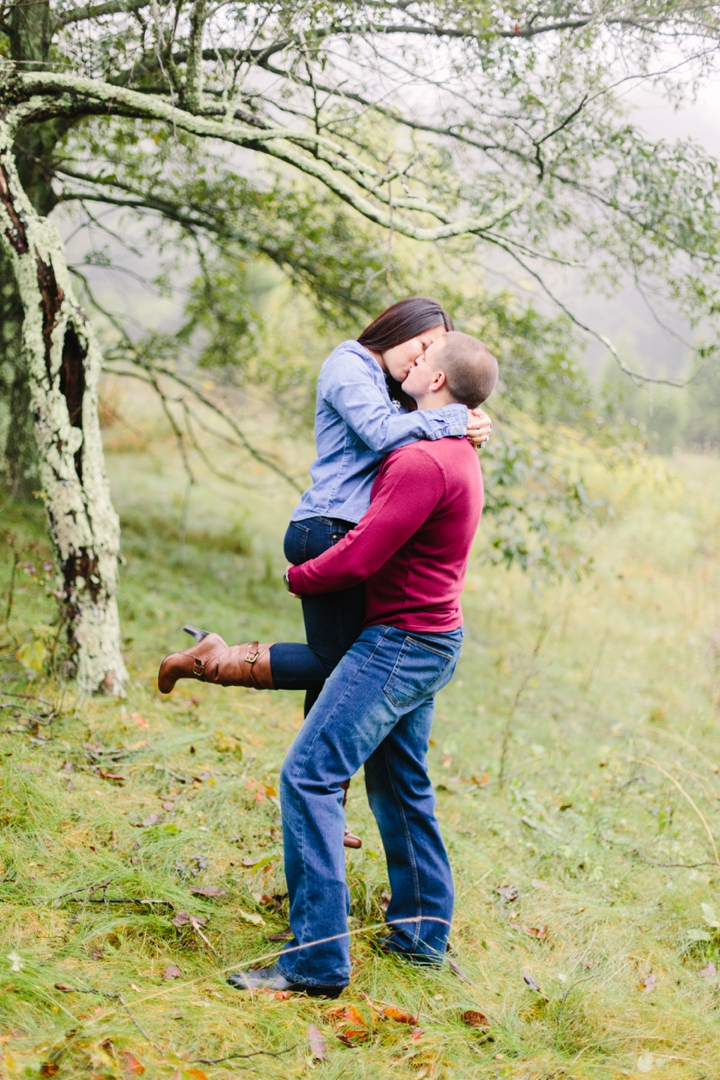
(361, 415)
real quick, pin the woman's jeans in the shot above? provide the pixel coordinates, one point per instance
(332, 621)
(375, 709)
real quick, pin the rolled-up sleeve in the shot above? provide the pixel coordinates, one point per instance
(350, 389)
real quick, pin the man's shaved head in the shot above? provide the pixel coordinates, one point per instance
(471, 370)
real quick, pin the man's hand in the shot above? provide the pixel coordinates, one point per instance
(286, 583)
(479, 427)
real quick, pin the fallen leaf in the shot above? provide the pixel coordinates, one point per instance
(5, 990)
(538, 884)
(130, 1064)
(115, 778)
(539, 932)
(531, 981)
(172, 971)
(708, 972)
(270, 791)
(648, 983)
(259, 864)
(197, 1074)
(139, 720)
(275, 900)
(417, 1034)
(136, 988)
(209, 890)
(400, 1016)
(335, 1013)
(152, 819)
(49, 1068)
(507, 893)
(282, 995)
(318, 1048)
(281, 935)
(253, 917)
(645, 1062)
(709, 916)
(65, 988)
(350, 1036)
(482, 780)
(475, 1019)
(184, 918)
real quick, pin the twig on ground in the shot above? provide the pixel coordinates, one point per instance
(121, 900)
(233, 1057)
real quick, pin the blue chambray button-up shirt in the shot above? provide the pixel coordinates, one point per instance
(356, 426)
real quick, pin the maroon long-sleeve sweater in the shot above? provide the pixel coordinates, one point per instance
(413, 544)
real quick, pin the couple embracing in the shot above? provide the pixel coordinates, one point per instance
(379, 546)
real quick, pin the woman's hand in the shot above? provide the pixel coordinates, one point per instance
(479, 427)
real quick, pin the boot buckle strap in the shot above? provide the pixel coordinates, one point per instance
(198, 667)
(253, 653)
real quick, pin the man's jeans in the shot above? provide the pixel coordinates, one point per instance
(375, 709)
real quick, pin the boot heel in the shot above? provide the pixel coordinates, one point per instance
(193, 631)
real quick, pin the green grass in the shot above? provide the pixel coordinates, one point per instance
(610, 731)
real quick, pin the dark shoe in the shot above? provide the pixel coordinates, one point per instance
(272, 979)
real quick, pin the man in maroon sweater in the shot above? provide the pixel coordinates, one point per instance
(376, 709)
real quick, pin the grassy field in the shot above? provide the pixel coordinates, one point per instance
(140, 844)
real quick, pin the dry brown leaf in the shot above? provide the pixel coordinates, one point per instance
(400, 1016)
(482, 780)
(209, 890)
(66, 989)
(356, 1017)
(475, 1019)
(539, 932)
(172, 971)
(318, 1047)
(350, 1036)
(49, 1068)
(335, 1013)
(184, 918)
(531, 981)
(507, 893)
(130, 1064)
(648, 983)
(708, 972)
(197, 1074)
(114, 778)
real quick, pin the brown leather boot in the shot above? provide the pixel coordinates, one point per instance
(349, 839)
(213, 660)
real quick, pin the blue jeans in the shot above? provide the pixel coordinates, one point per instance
(332, 621)
(375, 709)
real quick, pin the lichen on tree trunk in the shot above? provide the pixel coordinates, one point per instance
(64, 361)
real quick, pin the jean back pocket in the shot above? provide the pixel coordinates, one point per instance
(419, 672)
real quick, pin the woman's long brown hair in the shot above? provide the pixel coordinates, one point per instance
(401, 321)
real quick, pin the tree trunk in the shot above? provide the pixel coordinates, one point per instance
(63, 362)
